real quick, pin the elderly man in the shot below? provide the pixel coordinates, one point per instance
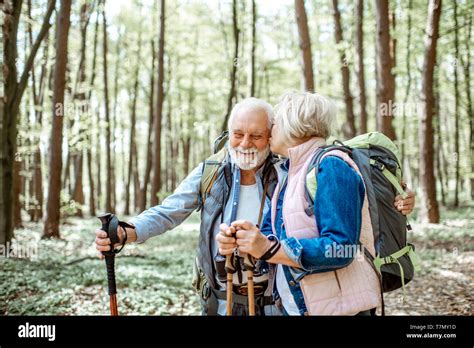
(242, 189)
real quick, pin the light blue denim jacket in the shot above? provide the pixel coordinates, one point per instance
(172, 211)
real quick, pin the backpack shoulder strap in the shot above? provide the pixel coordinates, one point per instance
(209, 172)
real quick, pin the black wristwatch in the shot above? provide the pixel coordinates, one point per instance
(273, 249)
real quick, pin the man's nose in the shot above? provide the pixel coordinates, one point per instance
(246, 142)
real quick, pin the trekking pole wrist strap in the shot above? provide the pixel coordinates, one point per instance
(113, 230)
(272, 250)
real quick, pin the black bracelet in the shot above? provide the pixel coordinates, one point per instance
(271, 252)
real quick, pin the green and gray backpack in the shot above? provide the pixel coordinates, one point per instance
(379, 163)
(212, 164)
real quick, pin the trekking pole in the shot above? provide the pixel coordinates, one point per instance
(110, 260)
(249, 263)
(230, 269)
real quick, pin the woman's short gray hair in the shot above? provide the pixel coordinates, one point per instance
(304, 114)
(251, 104)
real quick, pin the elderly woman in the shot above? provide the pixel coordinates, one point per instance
(307, 280)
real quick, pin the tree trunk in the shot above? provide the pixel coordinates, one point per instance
(467, 78)
(235, 64)
(429, 204)
(267, 84)
(51, 225)
(360, 63)
(80, 96)
(94, 197)
(190, 119)
(175, 145)
(456, 104)
(98, 160)
(186, 153)
(305, 45)
(21, 161)
(349, 128)
(67, 166)
(37, 183)
(6, 167)
(252, 51)
(30, 204)
(78, 193)
(440, 160)
(108, 183)
(174, 174)
(136, 177)
(133, 120)
(70, 150)
(149, 156)
(38, 175)
(408, 72)
(36, 211)
(91, 178)
(17, 189)
(156, 184)
(114, 121)
(170, 136)
(38, 186)
(89, 132)
(444, 120)
(10, 103)
(393, 39)
(385, 77)
(170, 148)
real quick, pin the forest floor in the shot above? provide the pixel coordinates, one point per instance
(65, 277)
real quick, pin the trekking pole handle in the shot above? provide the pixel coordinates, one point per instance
(109, 255)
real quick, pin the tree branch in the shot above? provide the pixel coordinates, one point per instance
(34, 49)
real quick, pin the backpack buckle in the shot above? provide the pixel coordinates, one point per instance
(380, 166)
(205, 291)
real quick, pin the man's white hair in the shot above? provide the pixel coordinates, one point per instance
(251, 104)
(304, 114)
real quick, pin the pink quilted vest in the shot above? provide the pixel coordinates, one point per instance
(346, 291)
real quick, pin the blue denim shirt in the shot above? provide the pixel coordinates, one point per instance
(338, 213)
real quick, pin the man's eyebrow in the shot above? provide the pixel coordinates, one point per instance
(252, 133)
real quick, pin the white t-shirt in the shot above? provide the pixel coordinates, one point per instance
(287, 298)
(249, 203)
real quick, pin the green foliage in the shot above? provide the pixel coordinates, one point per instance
(66, 278)
(68, 206)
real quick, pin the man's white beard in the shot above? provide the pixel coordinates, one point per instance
(248, 159)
